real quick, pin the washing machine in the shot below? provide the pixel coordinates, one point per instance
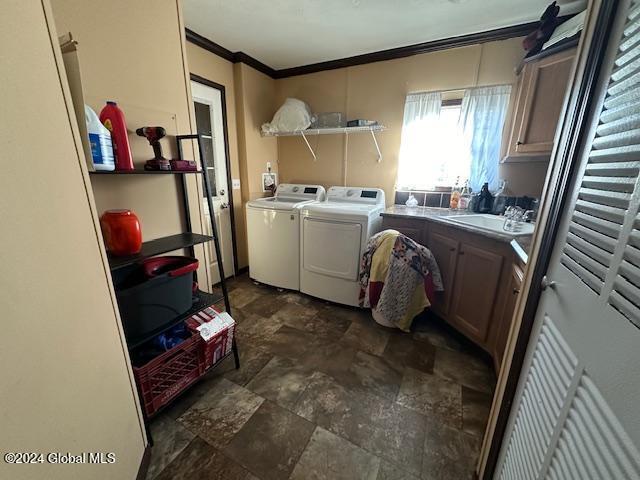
(333, 236)
(273, 234)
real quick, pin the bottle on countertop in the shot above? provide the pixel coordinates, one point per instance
(411, 201)
(113, 118)
(485, 199)
(455, 195)
(465, 197)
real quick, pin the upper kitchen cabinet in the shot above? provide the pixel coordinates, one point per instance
(536, 107)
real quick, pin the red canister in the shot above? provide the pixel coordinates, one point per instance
(121, 232)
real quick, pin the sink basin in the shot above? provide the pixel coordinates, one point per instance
(492, 223)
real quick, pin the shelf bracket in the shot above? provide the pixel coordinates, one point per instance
(304, 137)
(375, 141)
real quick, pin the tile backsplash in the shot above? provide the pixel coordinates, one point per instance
(441, 199)
(425, 199)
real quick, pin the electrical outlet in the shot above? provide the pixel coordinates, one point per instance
(235, 183)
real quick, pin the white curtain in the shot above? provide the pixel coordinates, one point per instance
(482, 119)
(419, 133)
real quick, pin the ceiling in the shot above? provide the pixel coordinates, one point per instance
(288, 33)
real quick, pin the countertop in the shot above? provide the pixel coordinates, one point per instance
(522, 246)
(439, 215)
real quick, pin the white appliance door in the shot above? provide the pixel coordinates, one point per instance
(273, 238)
(575, 414)
(331, 248)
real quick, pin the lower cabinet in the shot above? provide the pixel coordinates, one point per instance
(513, 288)
(481, 280)
(475, 290)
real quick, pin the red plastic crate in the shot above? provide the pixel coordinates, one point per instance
(219, 345)
(164, 377)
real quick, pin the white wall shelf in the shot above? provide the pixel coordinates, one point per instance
(330, 131)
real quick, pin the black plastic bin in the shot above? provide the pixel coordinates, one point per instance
(153, 293)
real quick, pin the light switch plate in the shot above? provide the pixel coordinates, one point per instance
(235, 183)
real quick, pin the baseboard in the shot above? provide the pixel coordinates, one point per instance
(242, 271)
(144, 463)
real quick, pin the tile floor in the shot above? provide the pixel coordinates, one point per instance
(323, 392)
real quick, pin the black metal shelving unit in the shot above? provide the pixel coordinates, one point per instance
(179, 241)
(158, 247)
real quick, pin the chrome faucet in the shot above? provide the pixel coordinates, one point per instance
(528, 216)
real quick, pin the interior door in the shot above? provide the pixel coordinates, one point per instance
(209, 123)
(575, 412)
(65, 376)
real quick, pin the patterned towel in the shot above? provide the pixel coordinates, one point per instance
(398, 278)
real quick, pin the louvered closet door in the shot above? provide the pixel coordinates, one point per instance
(577, 409)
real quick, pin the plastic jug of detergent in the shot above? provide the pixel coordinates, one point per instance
(100, 140)
(113, 118)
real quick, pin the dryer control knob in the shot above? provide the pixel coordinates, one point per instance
(350, 193)
(295, 189)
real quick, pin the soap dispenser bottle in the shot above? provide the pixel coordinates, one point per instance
(465, 197)
(485, 199)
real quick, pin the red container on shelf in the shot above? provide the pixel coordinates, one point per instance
(121, 232)
(113, 118)
(169, 374)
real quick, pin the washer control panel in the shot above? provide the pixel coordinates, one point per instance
(303, 192)
(362, 195)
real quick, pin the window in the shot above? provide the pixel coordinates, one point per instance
(442, 143)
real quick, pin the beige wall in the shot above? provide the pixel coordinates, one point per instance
(214, 68)
(255, 101)
(64, 375)
(133, 53)
(377, 91)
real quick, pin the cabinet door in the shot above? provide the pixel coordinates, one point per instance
(504, 324)
(545, 84)
(445, 251)
(411, 228)
(476, 287)
(509, 133)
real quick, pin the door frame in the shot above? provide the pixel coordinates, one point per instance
(223, 99)
(564, 161)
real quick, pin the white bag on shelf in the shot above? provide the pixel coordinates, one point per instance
(293, 115)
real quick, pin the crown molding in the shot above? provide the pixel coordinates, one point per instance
(497, 34)
(234, 57)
